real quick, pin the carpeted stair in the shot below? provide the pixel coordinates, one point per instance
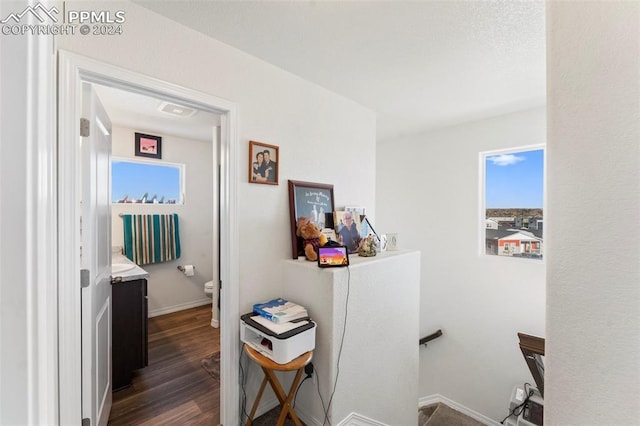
(440, 414)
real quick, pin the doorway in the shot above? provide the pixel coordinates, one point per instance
(179, 179)
(74, 70)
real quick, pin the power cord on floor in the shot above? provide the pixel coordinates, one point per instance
(520, 407)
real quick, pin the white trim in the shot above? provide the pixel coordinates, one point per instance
(229, 276)
(355, 419)
(433, 399)
(179, 307)
(34, 129)
(45, 215)
(75, 69)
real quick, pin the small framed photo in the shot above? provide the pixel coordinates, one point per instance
(355, 209)
(348, 229)
(392, 242)
(330, 234)
(148, 146)
(367, 228)
(263, 163)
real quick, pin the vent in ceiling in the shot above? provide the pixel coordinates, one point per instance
(177, 110)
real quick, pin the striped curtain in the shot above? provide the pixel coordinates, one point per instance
(151, 238)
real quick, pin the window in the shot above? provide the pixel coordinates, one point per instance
(136, 181)
(513, 202)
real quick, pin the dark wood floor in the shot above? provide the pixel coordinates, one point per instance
(173, 388)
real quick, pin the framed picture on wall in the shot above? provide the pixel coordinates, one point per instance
(148, 146)
(263, 163)
(312, 200)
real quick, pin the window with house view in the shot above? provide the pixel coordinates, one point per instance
(142, 182)
(514, 202)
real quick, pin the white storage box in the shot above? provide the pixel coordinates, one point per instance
(281, 348)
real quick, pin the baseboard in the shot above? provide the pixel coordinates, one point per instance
(355, 419)
(432, 399)
(180, 307)
(215, 323)
(308, 419)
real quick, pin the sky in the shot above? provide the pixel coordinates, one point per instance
(515, 180)
(134, 179)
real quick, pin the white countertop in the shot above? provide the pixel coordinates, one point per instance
(134, 273)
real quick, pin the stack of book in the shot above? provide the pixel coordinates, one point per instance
(278, 314)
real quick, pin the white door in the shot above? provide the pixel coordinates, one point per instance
(96, 259)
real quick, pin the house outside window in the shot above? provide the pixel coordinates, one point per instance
(513, 183)
(146, 182)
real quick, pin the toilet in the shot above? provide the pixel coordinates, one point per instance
(212, 291)
(208, 288)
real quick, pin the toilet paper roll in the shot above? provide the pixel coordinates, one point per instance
(189, 270)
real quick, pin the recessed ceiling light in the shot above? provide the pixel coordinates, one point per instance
(178, 110)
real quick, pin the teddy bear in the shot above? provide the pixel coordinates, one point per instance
(311, 236)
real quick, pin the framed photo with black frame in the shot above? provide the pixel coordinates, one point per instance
(148, 146)
(311, 200)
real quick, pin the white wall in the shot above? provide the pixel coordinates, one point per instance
(378, 359)
(428, 192)
(169, 290)
(593, 311)
(320, 134)
(322, 137)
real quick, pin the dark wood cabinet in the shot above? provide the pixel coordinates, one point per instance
(129, 330)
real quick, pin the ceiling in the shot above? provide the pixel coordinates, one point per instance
(142, 113)
(419, 65)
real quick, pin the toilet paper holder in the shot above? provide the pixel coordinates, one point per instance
(181, 268)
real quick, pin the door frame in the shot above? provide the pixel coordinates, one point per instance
(73, 70)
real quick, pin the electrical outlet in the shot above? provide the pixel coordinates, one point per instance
(309, 370)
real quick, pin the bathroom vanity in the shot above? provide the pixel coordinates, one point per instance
(129, 322)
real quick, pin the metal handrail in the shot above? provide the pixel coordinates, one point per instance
(430, 337)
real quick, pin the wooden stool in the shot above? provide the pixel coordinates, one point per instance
(268, 366)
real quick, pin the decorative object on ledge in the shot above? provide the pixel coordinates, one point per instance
(312, 200)
(148, 146)
(263, 163)
(392, 242)
(311, 236)
(367, 247)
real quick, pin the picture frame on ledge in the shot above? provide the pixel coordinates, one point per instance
(148, 146)
(312, 200)
(348, 229)
(392, 242)
(263, 163)
(367, 228)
